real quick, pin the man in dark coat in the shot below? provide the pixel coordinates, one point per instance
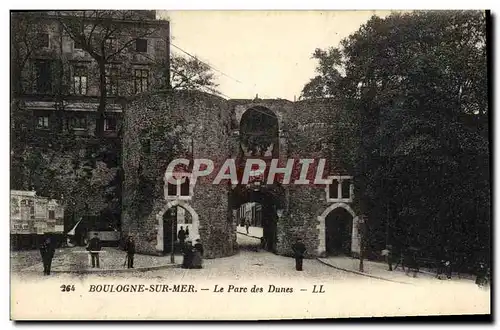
(247, 225)
(94, 248)
(187, 231)
(47, 251)
(181, 235)
(482, 275)
(411, 261)
(299, 250)
(197, 259)
(187, 252)
(130, 248)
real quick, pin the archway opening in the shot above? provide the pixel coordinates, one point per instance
(175, 217)
(249, 226)
(259, 206)
(338, 232)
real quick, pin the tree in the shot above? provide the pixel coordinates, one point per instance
(106, 35)
(190, 74)
(326, 83)
(414, 123)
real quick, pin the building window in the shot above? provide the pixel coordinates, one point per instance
(42, 40)
(340, 189)
(333, 189)
(43, 76)
(184, 188)
(77, 45)
(42, 122)
(346, 189)
(179, 190)
(141, 80)
(32, 209)
(110, 124)
(171, 189)
(141, 45)
(25, 226)
(80, 80)
(112, 81)
(112, 45)
(78, 123)
(52, 214)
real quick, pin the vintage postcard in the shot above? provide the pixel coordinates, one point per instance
(249, 165)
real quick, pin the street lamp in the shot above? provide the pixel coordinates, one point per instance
(173, 213)
(362, 232)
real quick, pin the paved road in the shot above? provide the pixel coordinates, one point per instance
(344, 294)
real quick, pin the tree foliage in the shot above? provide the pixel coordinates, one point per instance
(190, 74)
(414, 126)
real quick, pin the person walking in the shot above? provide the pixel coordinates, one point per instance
(94, 248)
(387, 252)
(181, 235)
(247, 225)
(130, 248)
(299, 250)
(411, 261)
(187, 232)
(47, 251)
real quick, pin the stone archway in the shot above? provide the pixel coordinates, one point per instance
(322, 231)
(195, 226)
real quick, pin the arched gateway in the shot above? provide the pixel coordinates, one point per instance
(161, 127)
(160, 239)
(322, 228)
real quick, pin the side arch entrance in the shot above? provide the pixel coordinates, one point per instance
(168, 225)
(338, 231)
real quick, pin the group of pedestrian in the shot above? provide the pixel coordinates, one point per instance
(192, 254)
(444, 267)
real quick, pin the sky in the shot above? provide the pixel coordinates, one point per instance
(263, 52)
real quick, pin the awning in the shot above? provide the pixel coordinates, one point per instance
(72, 232)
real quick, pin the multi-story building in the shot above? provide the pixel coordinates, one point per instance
(60, 80)
(252, 212)
(72, 71)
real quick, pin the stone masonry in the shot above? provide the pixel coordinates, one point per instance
(199, 125)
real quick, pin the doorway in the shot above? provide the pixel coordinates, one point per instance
(170, 229)
(338, 232)
(259, 208)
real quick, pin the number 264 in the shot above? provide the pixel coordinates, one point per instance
(67, 288)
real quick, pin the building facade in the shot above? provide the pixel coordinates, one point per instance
(71, 72)
(32, 216)
(250, 211)
(217, 129)
(60, 80)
